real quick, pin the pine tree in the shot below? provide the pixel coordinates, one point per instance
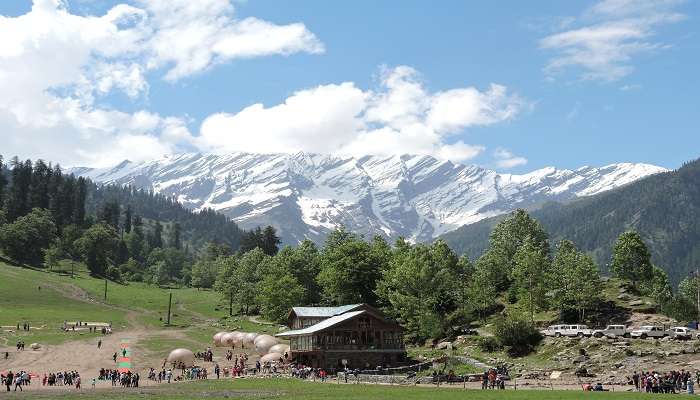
(530, 273)
(157, 239)
(18, 196)
(176, 236)
(55, 191)
(79, 202)
(127, 219)
(39, 187)
(3, 183)
(270, 241)
(631, 259)
(110, 214)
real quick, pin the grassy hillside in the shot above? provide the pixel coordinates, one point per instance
(61, 298)
(663, 208)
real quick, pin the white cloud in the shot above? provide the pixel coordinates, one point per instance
(506, 159)
(609, 36)
(401, 116)
(190, 36)
(55, 68)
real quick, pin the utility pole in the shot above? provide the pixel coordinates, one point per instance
(105, 288)
(230, 303)
(170, 302)
(697, 286)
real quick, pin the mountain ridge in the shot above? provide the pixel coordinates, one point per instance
(307, 195)
(664, 208)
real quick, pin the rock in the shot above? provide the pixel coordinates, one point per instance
(580, 359)
(622, 290)
(621, 344)
(636, 303)
(624, 296)
(444, 346)
(35, 346)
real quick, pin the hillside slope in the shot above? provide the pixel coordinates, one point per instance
(308, 195)
(663, 208)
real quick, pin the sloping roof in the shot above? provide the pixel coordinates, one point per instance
(323, 312)
(326, 323)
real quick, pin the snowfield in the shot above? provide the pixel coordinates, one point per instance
(307, 195)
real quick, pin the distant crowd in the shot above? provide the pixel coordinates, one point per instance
(670, 382)
(19, 379)
(124, 379)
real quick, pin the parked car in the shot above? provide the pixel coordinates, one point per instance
(554, 330)
(567, 330)
(578, 330)
(646, 331)
(612, 331)
(681, 333)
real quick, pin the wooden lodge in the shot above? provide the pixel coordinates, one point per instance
(356, 335)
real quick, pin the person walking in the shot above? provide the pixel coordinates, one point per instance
(99, 344)
(8, 380)
(114, 357)
(18, 382)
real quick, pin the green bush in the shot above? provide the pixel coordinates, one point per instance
(517, 335)
(489, 344)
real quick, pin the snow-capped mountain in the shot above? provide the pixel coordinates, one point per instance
(307, 195)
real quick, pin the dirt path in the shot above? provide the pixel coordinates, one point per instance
(83, 355)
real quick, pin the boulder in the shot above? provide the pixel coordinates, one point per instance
(444, 346)
(636, 303)
(580, 359)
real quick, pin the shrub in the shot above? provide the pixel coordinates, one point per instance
(489, 344)
(517, 335)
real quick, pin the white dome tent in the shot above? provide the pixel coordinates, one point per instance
(181, 358)
(263, 343)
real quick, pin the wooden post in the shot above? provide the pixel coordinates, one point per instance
(230, 304)
(105, 288)
(170, 302)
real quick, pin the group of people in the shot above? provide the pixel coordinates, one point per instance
(20, 346)
(62, 378)
(671, 382)
(162, 375)
(494, 378)
(124, 378)
(305, 372)
(207, 355)
(19, 379)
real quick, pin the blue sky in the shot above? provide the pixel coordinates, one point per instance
(639, 103)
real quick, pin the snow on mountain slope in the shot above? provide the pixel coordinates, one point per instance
(307, 195)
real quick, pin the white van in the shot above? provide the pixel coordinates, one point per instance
(554, 330)
(649, 331)
(612, 331)
(578, 330)
(567, 330)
